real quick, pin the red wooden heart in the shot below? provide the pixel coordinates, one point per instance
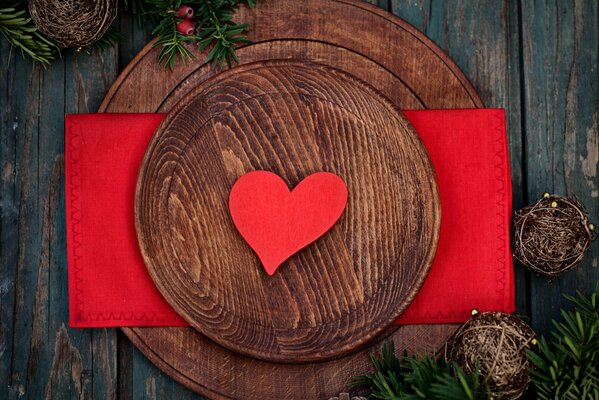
(277, 222)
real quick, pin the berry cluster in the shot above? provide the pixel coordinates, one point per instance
(185, 27)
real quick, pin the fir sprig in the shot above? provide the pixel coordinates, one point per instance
(213, 19)
(414, 378)
(215, 27)
(16, 26)
(567, 364)
(170, 40)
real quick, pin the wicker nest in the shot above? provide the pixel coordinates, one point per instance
(552, 235)
(496, 342)
(73, 23)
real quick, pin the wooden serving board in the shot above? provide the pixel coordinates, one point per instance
(388, 54)
(293, 118)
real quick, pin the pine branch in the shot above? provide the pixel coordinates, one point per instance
(17, 28)
(171, 40)
(414, 379)
(214, 26)
(213, 20)
(567, 364)
(218, 28)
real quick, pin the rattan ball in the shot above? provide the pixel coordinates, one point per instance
(552, 235)
(496, 342)
(73, 23)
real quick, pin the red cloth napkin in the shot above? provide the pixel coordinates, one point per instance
(473, 267)
(109, 284)
(108, 281)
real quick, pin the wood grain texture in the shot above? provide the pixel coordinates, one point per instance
(485, 42)
(313, 37)
(400, 89)
(539, 61)
(40, 357)
(294, 119)
(491, 32)
(561, 103)
(227, 375)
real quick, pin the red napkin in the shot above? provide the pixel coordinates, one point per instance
(108, 281)
(473, 267)
(109, 284)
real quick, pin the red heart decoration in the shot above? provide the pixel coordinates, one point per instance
(277, 222)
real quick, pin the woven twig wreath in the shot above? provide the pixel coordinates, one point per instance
(552, 235)
(495, 342)
(73, 23)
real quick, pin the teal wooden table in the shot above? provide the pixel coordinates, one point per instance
(536, 59)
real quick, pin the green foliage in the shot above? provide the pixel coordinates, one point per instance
(414, 379)
(16, 26)
(214, 27)
(567, 365)
(217, 26)
(169, 38)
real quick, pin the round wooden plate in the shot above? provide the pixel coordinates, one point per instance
(293, 118)
(390, 55)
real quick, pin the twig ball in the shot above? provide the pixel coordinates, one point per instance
(495, 342)
(73, 23)
(552, 235)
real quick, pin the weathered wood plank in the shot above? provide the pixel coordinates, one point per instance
(40, 356)
(88, 77)
(384, 4)
(415, 12)
(484, 41)
(136, 37)
(43, 358)
(24, 237)
(9, 216)
(53, 354)
(137, 376)
(561, 106)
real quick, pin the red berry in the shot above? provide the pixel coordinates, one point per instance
(185, 12)
(186, 27)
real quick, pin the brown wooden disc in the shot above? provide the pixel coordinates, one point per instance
(390, 55)
(292, 118)
(218, 373)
